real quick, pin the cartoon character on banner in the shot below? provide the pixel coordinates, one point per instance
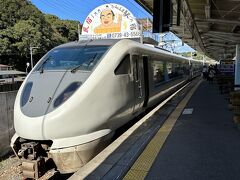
(107, 22)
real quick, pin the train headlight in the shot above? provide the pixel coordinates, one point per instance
(66, 93)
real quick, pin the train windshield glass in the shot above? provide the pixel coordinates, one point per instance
(73, 58)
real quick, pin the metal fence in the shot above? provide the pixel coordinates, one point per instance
(7, 100)
(10, 86)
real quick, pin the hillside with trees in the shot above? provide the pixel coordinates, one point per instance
(22, 25)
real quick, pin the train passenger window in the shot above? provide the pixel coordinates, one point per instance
(169, 68)
(177, 70)
(158, 72)
(124, 66)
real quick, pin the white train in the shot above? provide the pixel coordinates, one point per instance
(79, 93)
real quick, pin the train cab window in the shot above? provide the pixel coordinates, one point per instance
(124, 66)
(69, 58)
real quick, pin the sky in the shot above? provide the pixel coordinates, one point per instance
(79, 10)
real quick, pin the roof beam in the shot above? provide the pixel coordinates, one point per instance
(145, 6)
(219, 44)
(220, 33)
(219, 21)
(216, 39)
(208, 9)
(222, 37)
(189, 22)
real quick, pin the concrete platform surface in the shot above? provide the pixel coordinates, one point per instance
(191, 137)
(204, 144)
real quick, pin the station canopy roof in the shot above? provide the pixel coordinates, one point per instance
(209, 26)
(11, 72)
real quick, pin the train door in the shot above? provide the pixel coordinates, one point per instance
(139, 86)
(146, 80)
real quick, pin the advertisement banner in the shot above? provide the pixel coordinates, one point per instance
(110, 21)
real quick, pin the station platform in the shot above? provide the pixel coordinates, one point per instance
(191, 137)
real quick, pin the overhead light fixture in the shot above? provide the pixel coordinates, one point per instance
(207, 11)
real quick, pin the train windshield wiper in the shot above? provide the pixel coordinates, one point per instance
(41, 68)
(92, 59)
(84, 64)
(73, 70)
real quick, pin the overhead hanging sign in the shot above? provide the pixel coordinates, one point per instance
(110, 21)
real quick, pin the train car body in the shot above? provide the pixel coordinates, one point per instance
(79, 93)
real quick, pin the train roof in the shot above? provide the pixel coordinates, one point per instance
(11, 72)
(97, 42)
(91, 42)
(111, 42)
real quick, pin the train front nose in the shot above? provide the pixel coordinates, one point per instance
(35, 99)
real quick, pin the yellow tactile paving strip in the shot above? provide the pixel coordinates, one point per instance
(142, 165)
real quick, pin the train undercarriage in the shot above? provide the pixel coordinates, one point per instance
(37, 157)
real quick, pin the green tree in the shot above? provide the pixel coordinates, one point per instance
(67, 29)
(22, 25)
